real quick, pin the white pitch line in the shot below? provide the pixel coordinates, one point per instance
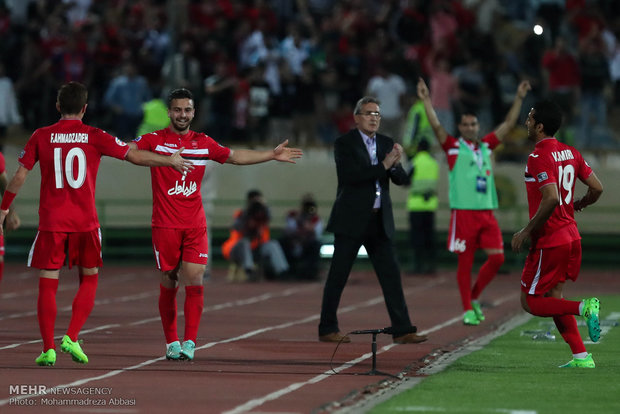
(311, 318)
(251, 404)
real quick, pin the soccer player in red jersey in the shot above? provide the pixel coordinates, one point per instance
(178, 224)
(473, 197)
(12, 220)
(69, 153)
(555, 251)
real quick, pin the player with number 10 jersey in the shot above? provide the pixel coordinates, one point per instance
(553, 162)
(69, 153)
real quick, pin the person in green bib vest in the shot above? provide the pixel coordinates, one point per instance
(422, 202)
(473, 197)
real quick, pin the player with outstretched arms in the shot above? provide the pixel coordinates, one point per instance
(69, 153)
(179, 227)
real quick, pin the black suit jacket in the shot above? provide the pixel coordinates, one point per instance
(356, 185)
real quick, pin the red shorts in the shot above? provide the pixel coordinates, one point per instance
(50, 250)
(545, 268)
(472, 230)
(173, 245)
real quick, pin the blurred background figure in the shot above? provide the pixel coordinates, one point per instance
(124, 97)
(422, 203)
(416, 128)
(301, 241)
(250, 248)
(9, 111)
(155, 115)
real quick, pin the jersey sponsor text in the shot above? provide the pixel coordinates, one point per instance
(184, 189)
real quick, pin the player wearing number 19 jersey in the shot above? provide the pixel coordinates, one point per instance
(555, 252)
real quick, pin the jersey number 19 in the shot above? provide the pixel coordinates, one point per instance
(566, 180)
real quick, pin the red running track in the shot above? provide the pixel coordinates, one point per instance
(257, 350)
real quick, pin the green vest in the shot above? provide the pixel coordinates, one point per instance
(417, 127)
(155, 117)
(469, 173)
(423, 192)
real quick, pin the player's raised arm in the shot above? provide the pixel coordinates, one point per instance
(280, 153)
(423, 93)
(513, 114)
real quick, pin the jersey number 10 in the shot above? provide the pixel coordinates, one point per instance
(64, 167)
(566, 181)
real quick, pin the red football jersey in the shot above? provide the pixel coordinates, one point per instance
(69, 153)
(176, 197)
(2, 163)
(451, 146)
(553, 162)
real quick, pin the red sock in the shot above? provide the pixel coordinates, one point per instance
(487, 273)
(194, 302)
(567, 326)
(168, 312)
(1, 270)
(46, 311)
(548, 306)
(83, 304)
(463, 278)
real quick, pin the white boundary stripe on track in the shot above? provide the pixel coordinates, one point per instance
(439, 365)
(293, 387)
(311, 318)
(144, 295)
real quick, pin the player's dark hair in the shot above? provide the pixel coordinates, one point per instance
(180, 93)
(467, 112)
(71, 98)
(549, 114)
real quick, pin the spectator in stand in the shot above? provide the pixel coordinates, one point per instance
(124, 97)
(220, 91)
(563, 79)
(306, 101)
(9, 110)
(258, 105)
(389, 88)
(182, 69)
(250, 243)
(443, 86)
(594, 69)
(301, 241)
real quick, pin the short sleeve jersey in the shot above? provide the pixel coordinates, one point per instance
(451, 147)
(69, 153)
(555, 163)
(177, 202)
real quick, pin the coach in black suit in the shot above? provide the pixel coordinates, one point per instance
(362, 215)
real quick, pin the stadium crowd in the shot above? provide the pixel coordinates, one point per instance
(296, 65)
